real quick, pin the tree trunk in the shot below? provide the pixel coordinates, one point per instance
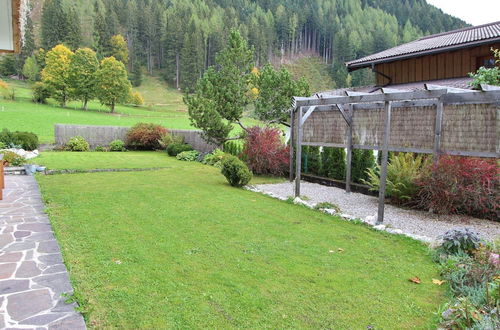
(177, 64)
(112, 107)
(85, 101)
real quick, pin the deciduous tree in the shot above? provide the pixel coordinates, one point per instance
(113, 86)
(55, 75)
(82, 75)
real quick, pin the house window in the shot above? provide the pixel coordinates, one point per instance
(6, 27)
(485, 61)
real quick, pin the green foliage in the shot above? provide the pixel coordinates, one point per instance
(333, 162)
(136, 99)
(274, 90)
(215, 158)
(55, 75)
(31, 70)
(7, 65)
(188, 156)
(169, 138)
(119, 48)
(59, 24)
(311, 160)
(234, 148)
(99, 149)
(77, 143)
(327, 205)
(12, 158)
(362, 161)
(24, 140)
(40, 92)
(2, 145)
(235, 171)
(458, 241)
(175, 148)
(82, 75)
(483, 75)
(112, 83)
(117, 145)
(136, 76)
(403, 171)
(222, 95)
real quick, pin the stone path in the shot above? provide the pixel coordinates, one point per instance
(32, 273)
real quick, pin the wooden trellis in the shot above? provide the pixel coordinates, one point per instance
(438, 120)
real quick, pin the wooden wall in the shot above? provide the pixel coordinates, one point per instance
(438, 66)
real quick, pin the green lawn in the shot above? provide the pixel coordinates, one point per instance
(24, 115)
(180, 248)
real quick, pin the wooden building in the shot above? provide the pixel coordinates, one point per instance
(10, 25)
(436, 57)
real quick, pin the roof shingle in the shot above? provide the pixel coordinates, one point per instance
(433, 43)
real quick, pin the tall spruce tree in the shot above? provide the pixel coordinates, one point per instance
(54, 24)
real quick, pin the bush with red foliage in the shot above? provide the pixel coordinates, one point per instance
(144, 136)
(461, 185)
(265, 152)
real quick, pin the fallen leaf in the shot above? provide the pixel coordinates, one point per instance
(340, 250)
(331, 251)
(437, 282)
(476, 316)
(415, 280)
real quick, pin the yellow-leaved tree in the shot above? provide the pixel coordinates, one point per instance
(55, 75)
(119, 48)
(113, 86)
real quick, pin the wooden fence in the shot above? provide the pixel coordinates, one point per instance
(436, 121)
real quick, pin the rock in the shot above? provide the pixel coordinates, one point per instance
(371, 219)
(330, 211)
(380, 227)
(298, 200)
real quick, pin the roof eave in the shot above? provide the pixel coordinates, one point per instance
(361, 65)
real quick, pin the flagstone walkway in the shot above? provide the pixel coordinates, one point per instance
(32, 273)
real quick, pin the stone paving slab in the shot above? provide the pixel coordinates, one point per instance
(33, 277)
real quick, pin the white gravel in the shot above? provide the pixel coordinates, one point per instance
(421, 225)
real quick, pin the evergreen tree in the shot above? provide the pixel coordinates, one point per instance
(73, 38)
(82, 75)
(136, 78)
(31, 70)
(334, 163)
(119, 49)
(362, 160)
(54, 24)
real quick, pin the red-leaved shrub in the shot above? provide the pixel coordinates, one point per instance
(461, 185)
(265, 152)
(145, 136)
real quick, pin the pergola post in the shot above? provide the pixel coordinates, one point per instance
(292, 137)
(385, 156)
(298, 153)
(348, 168)
(438, 129)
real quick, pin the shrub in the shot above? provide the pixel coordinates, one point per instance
(362, 161)
(234, 148)
(215, 158)
(99, 149)
(483, 75)
(145, 136)
(189, 156)
(264, 151)
(311, 160)
(460, 240)
(25, 140)
(174, 149)
(136, 99)
(12, 158)
(235, 171)
(168, 139)
(77, 143)
(40, 92)
(403, 171)
(7, 92)
(2, 145)
(333, 163)
(117, 145)
(461, 185)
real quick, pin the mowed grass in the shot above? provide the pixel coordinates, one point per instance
(180, 248)
(24, 115)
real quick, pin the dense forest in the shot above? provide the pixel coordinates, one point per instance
(181, 38)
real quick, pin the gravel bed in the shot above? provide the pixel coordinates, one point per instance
(364, 207)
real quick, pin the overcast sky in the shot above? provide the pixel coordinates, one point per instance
(474, 12)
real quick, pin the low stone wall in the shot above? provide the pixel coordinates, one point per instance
(103, 135)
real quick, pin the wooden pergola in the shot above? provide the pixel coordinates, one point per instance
(386, 100)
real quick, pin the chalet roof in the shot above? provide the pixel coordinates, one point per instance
(436, 43)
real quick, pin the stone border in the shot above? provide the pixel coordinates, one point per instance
(368, 221)
(100, 170)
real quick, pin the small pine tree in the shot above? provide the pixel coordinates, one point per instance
(333, 163)
(311, 160)
(362, 160)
